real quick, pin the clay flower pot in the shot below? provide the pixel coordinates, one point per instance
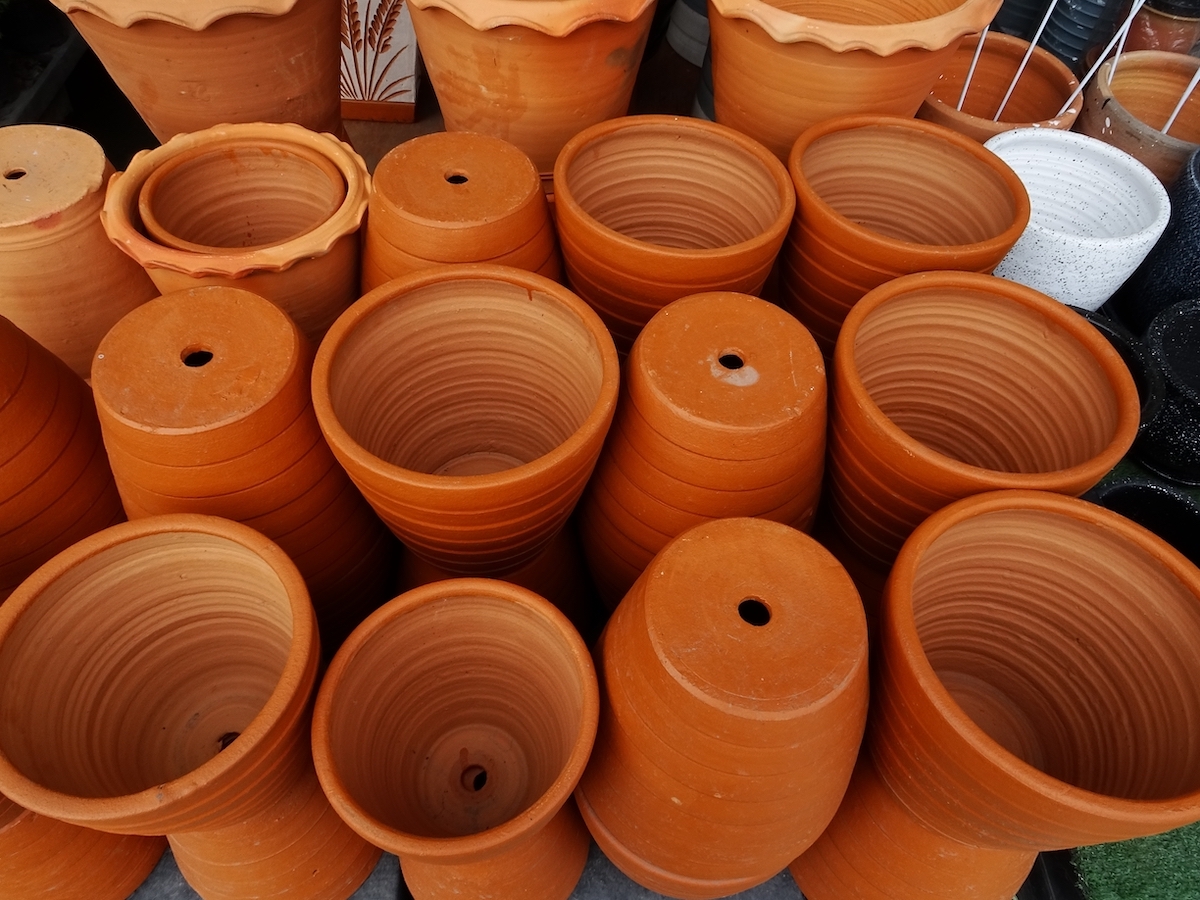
(857, 225)
(722, 413)
(734, 684)
(189, 430)
(533, 74)
(61, 281)
(1043, 87)
(1159, 29)
(1038, 685)
(451, 729)
(272, 209)
(55, 484)
(1130, 111)
(187, 67)
(181, 652)
(653, 208)
(1095, 214)
(780, 68)
(457, 198)
(469, 405)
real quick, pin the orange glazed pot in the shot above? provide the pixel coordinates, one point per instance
(734, 686)
(451, 729)
(859, 225)
(156, 678)
(469, 404)
(1038, 688)
(653, 208)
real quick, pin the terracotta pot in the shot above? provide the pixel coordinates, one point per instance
(857, 225)
(653, 208)
(457, 198)
(1044, 86)
(734, 684)
(248, 206)
(181, 652)
(51, 190)
(780, 68)
(1130, 110)
(451, 729)
(722, 414)
(189, 429)
(534, 75)
(1007, 719)
(1154, 29)
(209, 62)
(475, 456)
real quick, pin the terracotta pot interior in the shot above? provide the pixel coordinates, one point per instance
(867, 12)
(986, 381)
(675, 187)
(456, 716)
(9, 812)
(1040, 92)
(466, 377)
(1149, 88)
(142, 663)
(909, 185)
(1069, 645)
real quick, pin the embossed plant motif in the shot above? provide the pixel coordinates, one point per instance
(372, 46)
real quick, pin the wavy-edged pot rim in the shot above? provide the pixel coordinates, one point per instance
(123, 224)
(1100, 85)
(1060, 315)
(194, 15)
(556, 18)
(462, 848)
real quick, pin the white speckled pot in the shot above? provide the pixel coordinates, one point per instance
(1095, 214)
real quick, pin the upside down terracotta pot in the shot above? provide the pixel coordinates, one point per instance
(1038, 688)
(451, 729)
(272, 209)
(157, 679)
(734, 692)
(722, 413)
(469, 404)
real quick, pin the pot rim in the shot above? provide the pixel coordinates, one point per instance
(556, 18)
(1147, 60)
(492, 840)
(194, 15)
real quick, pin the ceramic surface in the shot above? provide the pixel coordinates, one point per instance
(1170, 445)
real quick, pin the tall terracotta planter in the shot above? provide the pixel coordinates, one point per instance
(734, 685)
(451, 729)
(187, 67)
(1038, 688)
(858, 223)
(469, 405)
(181, 652)
(272, 209)
(722, 414)
(61, 280)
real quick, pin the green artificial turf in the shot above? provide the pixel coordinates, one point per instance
(1162, 867)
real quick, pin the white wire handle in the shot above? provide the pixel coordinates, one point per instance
(1101, 58)
(1037, 36)
(1182, 100)
(971, 71)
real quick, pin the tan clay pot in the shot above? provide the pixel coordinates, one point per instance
(157, 678)
(189, 66)
(451, 729)
(653, 208)
(734, 678)
(534, 74)
(61, 281)
(469, 404)
(1038, 688)
(454, 197)
(272, 209)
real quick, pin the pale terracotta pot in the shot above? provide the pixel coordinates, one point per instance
(451, 730)
(181, 653)
(469, 404)
(1038, 685)
(534, 74)
(734, 686)
(779, 68)
(248, 206)
(61, 281)
(859, 223)
(653, 208)
(187, 67)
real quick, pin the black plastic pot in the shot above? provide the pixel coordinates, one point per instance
(1170, 443)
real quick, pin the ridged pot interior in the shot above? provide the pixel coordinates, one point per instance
(986, 381)
(1069, 645)
(867, 12)
(466, 377)
(1149, 85)
(141, 663)
(1040, 92)
(456, 716)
